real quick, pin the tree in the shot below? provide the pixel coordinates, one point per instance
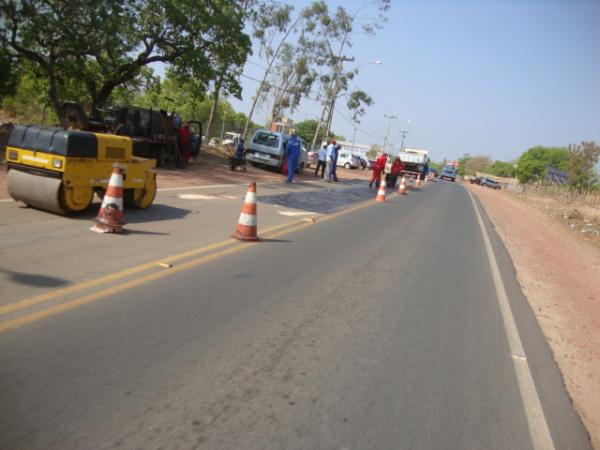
(582, 160)
(55, 36)
(292, 79)
(307, 128)
(462, 163)
(374, 151)
(337, 31)
(533, 164)
(502, 169)
(477, 164)
(272, 27)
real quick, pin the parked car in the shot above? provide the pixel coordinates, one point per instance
(312, 158)
(268, 148)
(475, 180)
(488, 182)
(348, 160)
(366, 163)
(448, 173)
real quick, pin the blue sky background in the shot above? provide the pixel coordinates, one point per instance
(482, 77)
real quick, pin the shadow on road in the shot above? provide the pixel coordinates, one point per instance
(30, 279)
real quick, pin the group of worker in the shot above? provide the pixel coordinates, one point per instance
(379, 170)
(327, 161)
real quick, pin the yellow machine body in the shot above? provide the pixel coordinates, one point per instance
(61, 172)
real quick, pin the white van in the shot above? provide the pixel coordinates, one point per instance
(348, 160)
(268, 148)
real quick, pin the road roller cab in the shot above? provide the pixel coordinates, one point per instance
(60, 170)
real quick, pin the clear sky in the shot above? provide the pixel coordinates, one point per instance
(486, 77)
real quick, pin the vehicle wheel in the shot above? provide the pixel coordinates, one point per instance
(347, 166)
(75, 199)
(141, 198)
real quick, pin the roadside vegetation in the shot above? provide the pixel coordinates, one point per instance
(186, 56)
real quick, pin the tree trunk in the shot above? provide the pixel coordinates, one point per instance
(213, 110)
(267, 72)
(54, 99)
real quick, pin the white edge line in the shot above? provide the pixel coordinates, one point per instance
(541, 438)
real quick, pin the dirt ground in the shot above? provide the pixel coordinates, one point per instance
(559, 271)
(212, 167)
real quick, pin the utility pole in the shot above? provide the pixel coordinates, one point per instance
(387, 134)
(353, 138)
(403, 133)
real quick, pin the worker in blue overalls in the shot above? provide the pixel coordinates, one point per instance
(293, 155)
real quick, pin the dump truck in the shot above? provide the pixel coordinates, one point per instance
(416, 162)
(60, 170)
(153, 132)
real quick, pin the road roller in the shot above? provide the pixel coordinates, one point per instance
(60, 170)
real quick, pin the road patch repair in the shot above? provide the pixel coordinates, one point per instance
(558, 273)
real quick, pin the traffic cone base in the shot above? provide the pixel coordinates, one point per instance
(381, 192)
(402, 187)
(110, 216)
(247, 224)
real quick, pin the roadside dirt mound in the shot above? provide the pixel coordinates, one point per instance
(559, 272)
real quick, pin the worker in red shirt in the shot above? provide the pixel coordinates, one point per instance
(397, 168)
(185, 144)
(378, 169)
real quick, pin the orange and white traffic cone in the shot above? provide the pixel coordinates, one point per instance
(402, 188)
(110, 216)
(418, 181)
(246, 229)
(381, 192)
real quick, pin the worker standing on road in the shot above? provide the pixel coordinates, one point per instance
(378, 169)
(293, 155)
(239, 155)
(329, 160)
(336, 153)
(184, 138)
(397, 167)
(321, 161)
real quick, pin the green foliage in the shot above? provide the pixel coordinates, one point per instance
(462, 164)
(29, 102)
(476, 164)
(532, 165)
(98, 46)
(502, 169)
(307, 128)
(582, 160)
(9, 75)
(436, 166)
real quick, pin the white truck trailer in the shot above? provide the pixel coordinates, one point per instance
(416, 162)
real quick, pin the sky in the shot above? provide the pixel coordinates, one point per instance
(484, 77)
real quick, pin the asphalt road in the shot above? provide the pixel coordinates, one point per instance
(376, 328)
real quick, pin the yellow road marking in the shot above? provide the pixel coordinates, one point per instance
(122, 274)
(66, 306)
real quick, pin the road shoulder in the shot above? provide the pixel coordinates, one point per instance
(558, 275)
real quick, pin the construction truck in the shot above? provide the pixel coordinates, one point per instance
(416, 162)
(60, 170)
(153, 133)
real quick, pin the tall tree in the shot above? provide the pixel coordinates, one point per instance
(273, 24)
(477, 164)
(337, 31)
(128, 35)
(582, 160)
(533, 164)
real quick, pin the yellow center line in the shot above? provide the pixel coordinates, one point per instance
(6, 309)
(66, 306)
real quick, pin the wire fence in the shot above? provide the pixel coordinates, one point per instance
(561, 193)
